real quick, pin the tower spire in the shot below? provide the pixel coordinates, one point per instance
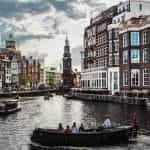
(67, 66)
(67, 41)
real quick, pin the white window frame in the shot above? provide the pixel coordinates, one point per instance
(125, 40)
(144, 36)
(145, 55)
(125, 77)
(135, 60)
(133, 40)
(133, 71)
(127, 57)
(147, 73)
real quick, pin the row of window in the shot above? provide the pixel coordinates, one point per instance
(101, 27)
(91, 32)
(89, 42)
(101, 51)
(98, 83)
(135, 77)
(113, 47)
(114, 59)
(123, 9)
(90, 53)
(135, 38)
(113, 33)
(101, 39)
(119, 19)
(135, 56)
(90, 65)
(101, 62)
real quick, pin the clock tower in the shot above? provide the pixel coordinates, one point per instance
(67, 67)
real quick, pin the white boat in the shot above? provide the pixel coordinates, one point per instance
(25, 98)
(8, 107)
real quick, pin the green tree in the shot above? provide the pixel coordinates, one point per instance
(23, 79)
(51, 79)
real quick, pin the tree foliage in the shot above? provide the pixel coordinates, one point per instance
(23, 79)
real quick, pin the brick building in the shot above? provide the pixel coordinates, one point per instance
(135, 55)
(95, 55)
(101, 58)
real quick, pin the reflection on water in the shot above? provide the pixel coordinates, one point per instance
(15, 129)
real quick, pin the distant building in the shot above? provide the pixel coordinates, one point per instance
(30, 72)
(12, 58)
(24, 79)
(5, 74)
(15, 72)
(53, 78)
(10, 42)
(18, 71)
(67, 67)
(42, 75)
(42, 71)
(58, 79)
(33, 72)
(77, 79)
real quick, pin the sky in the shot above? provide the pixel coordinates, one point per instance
(40, 26)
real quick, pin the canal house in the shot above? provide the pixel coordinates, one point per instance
(135, 56)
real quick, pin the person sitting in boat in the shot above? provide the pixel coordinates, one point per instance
(107, 122)
(60, 127)
(81, 128)
(74, 128)
(67, 130)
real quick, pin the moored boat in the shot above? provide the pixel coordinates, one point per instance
(25, 98)
(8, 107)
(46, 97)
(67, 96)
(92, 137)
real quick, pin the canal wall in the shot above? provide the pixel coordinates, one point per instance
(109, 98)
(25, 93)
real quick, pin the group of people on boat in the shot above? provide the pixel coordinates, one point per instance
(73, 129)
(106, 124)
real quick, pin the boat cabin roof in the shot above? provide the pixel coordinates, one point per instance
(8, 102)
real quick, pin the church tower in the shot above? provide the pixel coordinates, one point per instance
(10, 42)
(67, 66)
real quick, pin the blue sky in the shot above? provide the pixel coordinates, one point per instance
(40, 26)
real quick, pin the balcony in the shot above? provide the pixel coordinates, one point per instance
(90, 59)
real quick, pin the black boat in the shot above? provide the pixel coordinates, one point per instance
(67, 96)
(8, 107)
(93, 137)
(46, 97)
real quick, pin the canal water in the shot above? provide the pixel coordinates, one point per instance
(15, 129)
